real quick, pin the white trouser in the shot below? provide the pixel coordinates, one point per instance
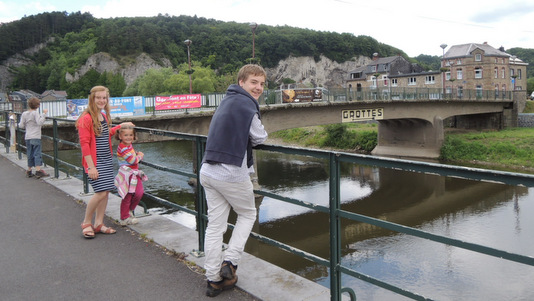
(221, 196)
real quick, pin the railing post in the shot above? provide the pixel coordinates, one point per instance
(335, 230)
(56, 149)
(8, 136)
(19, 138)
(200, 201)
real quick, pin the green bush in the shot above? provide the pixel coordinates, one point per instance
(366, 140)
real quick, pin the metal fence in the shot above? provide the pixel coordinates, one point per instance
(209, 101)
(334, 159)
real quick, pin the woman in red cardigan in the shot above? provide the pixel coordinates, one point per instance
(95, 131)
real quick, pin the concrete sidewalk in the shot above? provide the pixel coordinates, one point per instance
(43, 255)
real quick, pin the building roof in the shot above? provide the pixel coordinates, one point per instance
(465, 50)
(54, 92)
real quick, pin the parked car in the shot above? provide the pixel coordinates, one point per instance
(532, 96)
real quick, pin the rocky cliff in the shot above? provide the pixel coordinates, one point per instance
(303, 70)
(323, 73)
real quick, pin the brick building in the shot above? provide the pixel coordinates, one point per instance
(470, 68)
(481, 67)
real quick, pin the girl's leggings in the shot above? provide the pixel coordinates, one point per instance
(131, 200)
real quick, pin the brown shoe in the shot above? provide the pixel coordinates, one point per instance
(41, 174)
(228, 270)
(215, 288)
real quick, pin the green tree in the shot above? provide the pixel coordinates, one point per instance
(152, 82)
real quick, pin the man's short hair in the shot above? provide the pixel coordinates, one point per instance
(248, 70)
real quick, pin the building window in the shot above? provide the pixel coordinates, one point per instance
(459, 74)
(512, 72)
(373, 68)
(503, 88)
(448, 75)
(478, 72)
(354, 75)
(460, 91)
(519, 73)
(412, 81)
(430, 79)
(496, 72)
(478, 57)
(479, 91)
(394, 82)
(503, 72)
(458, 61)
(496, 90)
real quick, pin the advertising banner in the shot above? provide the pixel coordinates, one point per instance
(127, 106)
(301, 95)
(119, 106)
(178, 102)
(75, 107)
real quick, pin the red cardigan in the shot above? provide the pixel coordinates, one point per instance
(88, 138)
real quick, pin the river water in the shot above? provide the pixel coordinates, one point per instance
(490, 214)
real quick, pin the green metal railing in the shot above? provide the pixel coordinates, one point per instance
(334, 210)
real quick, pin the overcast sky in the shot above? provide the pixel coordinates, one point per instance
(416, 27)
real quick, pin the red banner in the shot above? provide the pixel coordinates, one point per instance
(178, 102)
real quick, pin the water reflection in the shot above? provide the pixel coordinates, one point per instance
(490, 214)
(448, 206)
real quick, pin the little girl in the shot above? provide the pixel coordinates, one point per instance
(129, 178)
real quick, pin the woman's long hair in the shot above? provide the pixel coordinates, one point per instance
(92, 109)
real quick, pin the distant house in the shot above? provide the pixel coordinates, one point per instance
(23, 95)
(51, 95)
(377, 74)
(481, 67)
(471, 66)
(3, 96)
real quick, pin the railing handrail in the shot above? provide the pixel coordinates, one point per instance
(58, 108)
(334, 208)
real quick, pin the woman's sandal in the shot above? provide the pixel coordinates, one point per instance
(88, 231)
(105, 230)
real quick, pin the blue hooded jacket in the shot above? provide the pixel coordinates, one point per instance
(228, 135)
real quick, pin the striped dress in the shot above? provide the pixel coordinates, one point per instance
(104, 163)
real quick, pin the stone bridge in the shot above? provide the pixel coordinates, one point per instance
(407, 128)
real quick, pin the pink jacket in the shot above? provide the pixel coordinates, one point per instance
(126, 180)
(88, 138)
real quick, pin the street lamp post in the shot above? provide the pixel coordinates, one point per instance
(443, 46)
(513, 73)
(253, 26)
(188, 43)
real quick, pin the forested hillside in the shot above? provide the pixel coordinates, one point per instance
(218, 49)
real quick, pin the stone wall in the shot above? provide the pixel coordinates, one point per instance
(526, 120)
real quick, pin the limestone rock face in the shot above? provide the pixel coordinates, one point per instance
(103, 62)
(325, 72)
(303, 70)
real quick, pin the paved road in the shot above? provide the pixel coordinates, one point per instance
(43, 255)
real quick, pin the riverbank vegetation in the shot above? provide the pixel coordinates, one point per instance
(509, 149)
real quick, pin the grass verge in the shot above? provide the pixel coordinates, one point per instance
(509, 149)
